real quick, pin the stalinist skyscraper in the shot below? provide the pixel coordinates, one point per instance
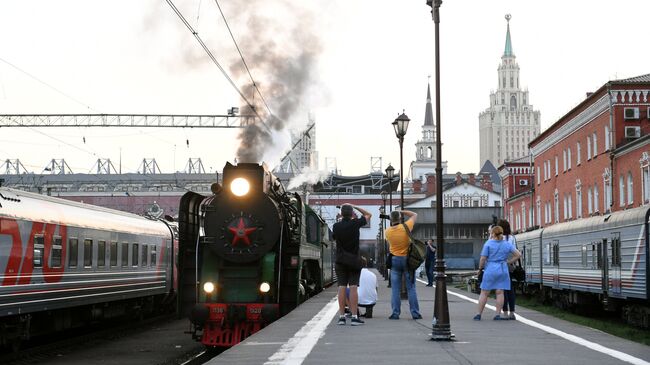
(506, 127)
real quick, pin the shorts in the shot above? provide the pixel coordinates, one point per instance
(346, 276)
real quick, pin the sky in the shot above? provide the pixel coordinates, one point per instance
(354, 65)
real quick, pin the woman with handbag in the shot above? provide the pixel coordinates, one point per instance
(509, 295)
(494, 259)
(399, 242)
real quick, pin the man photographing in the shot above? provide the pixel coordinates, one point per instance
(348, 261)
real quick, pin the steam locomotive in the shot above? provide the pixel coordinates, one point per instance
(64, 264)
(249, 253)
(597, 261)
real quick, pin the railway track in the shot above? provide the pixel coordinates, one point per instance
(42, 350)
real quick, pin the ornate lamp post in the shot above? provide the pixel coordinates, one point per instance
(390, 172)
(441, 327)
(383, 234)
(401, 125)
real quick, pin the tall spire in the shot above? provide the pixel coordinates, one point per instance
(508, 50)
(428, 113)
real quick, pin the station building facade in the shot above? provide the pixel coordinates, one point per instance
(594, 160)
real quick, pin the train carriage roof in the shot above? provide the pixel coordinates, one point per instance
(19, 204)
(592, 224)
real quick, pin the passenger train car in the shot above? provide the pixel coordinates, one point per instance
(597, 260)
(64, 263)
(249, 253)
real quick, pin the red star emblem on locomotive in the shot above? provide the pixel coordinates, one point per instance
(241, 233)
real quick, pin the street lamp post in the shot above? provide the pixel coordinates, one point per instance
(390, 172)
(401, 125)
(441, 330)
(383, 235)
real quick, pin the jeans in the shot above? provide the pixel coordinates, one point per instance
(399, 267)
(429, 263)
(509, 299)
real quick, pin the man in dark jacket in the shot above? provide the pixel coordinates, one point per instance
(346, 234)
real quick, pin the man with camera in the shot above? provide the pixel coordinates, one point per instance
(348, 260)
(398, 240)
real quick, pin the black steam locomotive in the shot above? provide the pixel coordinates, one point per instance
(248, 254)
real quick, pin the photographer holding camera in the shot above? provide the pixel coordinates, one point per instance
(398, 240)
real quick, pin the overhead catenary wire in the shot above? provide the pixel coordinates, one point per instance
(48, 85)
(215, 61)
(242, 58)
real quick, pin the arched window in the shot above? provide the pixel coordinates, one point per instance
(578, 199)
(621, 192)
(421, 152)
(429, 152)
(630, 191)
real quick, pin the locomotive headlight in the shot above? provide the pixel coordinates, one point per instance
(240, 186)
(208, 287)
(265, 287)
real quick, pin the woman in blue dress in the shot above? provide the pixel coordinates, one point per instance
(494, 258)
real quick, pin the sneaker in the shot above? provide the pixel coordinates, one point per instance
(429, 284)
(355, 321)
(341, 321)
(393, 316)
(419, 316)
(477, 317)
(512, 317)
(498, 317)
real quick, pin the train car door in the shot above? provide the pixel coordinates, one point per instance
(603, 264)
(555, 271)
(615, 267)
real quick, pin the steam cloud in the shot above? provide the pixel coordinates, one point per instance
(307, 176)
(281, 53)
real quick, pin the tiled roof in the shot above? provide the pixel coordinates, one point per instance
(642, 78)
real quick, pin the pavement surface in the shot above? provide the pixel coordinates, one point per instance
(310, 335)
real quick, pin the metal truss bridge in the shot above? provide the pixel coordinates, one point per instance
(126, 120)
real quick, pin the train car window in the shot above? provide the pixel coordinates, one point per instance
(599, 253)
(114, 254)
(153, 256)
(312, 229)
(584, 256)
(144, 255)
(73, 252)
(594, 256)
(616, 250)
(55, 256)
(101, 253)
(134, 255)
(556, 254)
(39, 245)
(125, 254)
(529, 256)
(547, 254)
(88, 253)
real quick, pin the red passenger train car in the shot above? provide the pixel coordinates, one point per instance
(64, 264)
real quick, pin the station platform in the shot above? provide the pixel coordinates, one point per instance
(310, 335)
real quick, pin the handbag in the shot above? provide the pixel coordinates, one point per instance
(519, 273)
(417, 251)
(350, 260)
(480, 276)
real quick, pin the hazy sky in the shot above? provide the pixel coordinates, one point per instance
(367, 61)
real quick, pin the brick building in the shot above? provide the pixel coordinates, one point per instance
(592, 161)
